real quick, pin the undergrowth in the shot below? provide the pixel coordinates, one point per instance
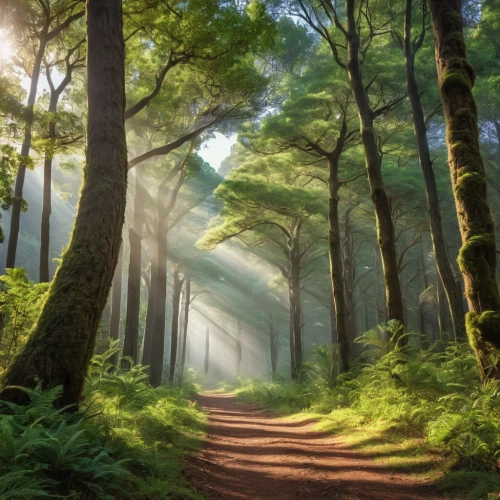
(429, 399)
(127, 441)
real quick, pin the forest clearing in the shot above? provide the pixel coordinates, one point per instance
(248, 249)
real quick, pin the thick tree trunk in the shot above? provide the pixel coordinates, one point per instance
(438, 242)
(116, 302)
(131, 340)
(176, 298)
(59, 349)
(336, 265)
(379, 195)
(187, 302)
(477, 257)
(207, 352)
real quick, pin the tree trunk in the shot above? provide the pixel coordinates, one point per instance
(59, 349)
(148, 327)
(160, 295)
(295, 299)
(116, 302)
(477, 257)
(273, 345)
(440, 252)
(187, 302)
(238, 349)
(336, 265)
(379, 195)
(47, 192)
(25, 151)
(176, 298)
(207, 351)
(131, 340)
(421, 304)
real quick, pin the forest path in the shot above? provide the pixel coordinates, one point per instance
(251, 454)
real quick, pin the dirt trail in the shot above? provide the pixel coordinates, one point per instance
(250, 454)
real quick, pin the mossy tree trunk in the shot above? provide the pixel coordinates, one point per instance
(381, 200)
(131, 339)
(453, 293)
(477, 257)
(62, 342)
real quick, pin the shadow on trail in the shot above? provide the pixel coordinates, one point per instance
(252, 455)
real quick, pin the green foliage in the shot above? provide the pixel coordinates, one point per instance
(127, 441)
(436, 396)
(20, 304)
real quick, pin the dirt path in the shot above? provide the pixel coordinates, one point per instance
(251, 455)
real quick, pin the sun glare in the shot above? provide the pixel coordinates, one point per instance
(6, 51)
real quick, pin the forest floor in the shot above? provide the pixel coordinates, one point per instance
(251, 453)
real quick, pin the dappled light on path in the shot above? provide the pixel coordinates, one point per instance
(251, 454)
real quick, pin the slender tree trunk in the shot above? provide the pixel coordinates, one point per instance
(333, 320)
(238, 348)
(380, 307)
(477, 257)
(440, 252)
(187, 302)
(176, 298)
(207, 352)
(47, 193)
(336, 265)
(60, 346)
(160, 295)
(148, 327)
(295, 299)
(116, 302)
(349, 262)
(25, 151)
(385, 227)
(273, 345)
(421, 304)
(442, 318)
(291, 336)
(131, 340)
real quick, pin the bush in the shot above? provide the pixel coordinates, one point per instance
(127, 441)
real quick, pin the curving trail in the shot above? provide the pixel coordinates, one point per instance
(252, 455)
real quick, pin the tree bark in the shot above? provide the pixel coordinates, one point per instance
(477, 257)
(160, 293)
(187, 303)
(207, 352)
(176, 298)
(59, 349)
(438, 242)
(273, 345)
(116, 302)
(238, 348)
(381, 200)
(25, 150)
(131, 340)
(336, 264)
(421, 305)
(295, 298)
(153, 284)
